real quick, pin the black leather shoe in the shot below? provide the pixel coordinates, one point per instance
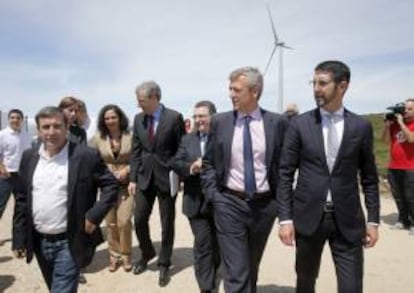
(82, 279)
(164, 276)
(140, 267)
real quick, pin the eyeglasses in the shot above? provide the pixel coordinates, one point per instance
(321, 83)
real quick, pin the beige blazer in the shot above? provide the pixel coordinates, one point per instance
(103, 145)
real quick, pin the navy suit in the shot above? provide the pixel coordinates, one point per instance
(199, 213)
(304, 150)
(242, 226)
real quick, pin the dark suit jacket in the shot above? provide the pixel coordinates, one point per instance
(153, 160)
(218, 154)
(188, 152)
(304, 149)
(86, 174)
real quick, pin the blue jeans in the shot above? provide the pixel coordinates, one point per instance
(7, 186)
(59, 270)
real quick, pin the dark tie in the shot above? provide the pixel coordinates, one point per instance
(150, 126)
(332, 142)
(249, 177)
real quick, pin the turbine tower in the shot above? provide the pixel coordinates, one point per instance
(282, 45)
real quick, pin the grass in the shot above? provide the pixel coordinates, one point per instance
(381, 149)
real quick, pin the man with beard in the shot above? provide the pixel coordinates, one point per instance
(331, 147)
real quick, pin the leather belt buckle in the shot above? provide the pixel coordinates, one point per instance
(328, 207)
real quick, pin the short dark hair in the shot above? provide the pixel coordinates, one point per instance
(123, 119)
(15, 111)
(50, 111)
(339, 70)
(209, 105)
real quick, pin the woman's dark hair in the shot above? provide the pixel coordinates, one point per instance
(123, 119)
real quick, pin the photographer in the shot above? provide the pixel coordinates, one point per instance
(399, 132)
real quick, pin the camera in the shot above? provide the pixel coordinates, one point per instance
(398, 108)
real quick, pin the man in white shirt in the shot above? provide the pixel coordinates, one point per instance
(56, 214)
(13, 141)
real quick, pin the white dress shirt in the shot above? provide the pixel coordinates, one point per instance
(50, 192)
(339, 126)
(12, 145)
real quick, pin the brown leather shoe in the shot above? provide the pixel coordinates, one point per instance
(114, 263)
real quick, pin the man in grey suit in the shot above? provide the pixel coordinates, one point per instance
(188, 163)
(156, 136)
(56, 214)
(240, 176)
(331, 147)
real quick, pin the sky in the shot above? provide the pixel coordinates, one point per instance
(99, 51)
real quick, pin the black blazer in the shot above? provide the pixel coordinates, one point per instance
(304, 149)
(153, 160)
(217, 158)
(188, 152)
(86, 174)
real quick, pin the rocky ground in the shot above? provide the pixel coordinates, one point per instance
(388, 267)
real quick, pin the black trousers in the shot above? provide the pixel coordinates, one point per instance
(243, 228)
(402, 189)
(205, 250)
(144, 202)
(347, 257)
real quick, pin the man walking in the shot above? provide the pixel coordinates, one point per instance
(331, 147)
(239, 178)
(188, 164)
(157, 134)
(13, 142)
(56, 215)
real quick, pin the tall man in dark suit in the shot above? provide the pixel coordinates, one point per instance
(56, 215)
(188, 163)
(240, 176)
(331, 147)
(157, 135)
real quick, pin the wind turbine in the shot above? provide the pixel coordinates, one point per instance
(282, 45)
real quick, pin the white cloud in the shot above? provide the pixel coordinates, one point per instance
(102, 50)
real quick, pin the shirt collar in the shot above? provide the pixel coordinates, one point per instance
(256, 114)
(11, 130)
(62, 153)
(338, 113)
(157, 113)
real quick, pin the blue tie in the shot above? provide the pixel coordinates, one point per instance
(249, 178)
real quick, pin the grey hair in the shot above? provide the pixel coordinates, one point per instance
(253, 76)
(149, 89)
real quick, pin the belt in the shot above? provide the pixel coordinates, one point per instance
(242, 195)
(328, 207)
(53, 237)
(13, 174)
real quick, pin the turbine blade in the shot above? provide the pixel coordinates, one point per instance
(287, 47)
(273, 25)
(270, 60)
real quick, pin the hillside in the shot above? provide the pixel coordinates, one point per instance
(381, 149)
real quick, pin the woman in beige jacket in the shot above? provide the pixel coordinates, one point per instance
(113, 141)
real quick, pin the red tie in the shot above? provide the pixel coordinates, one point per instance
(150, 126)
